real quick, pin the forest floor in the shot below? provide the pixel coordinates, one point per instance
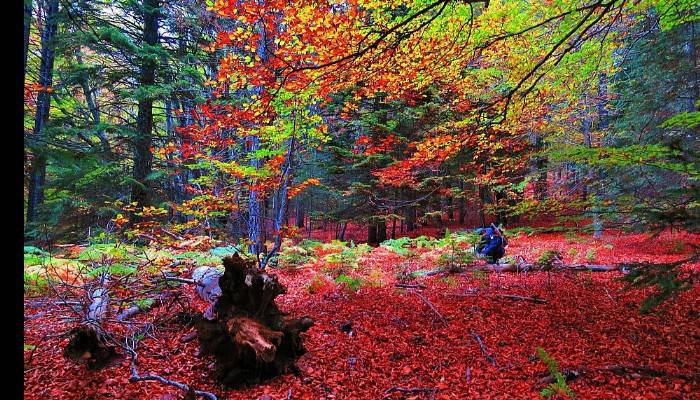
(397, 341)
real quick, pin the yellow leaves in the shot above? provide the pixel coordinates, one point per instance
(120, 220)
(152, 211)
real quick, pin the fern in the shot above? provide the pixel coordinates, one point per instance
(559, 386)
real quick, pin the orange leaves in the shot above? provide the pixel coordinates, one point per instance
(293, 191)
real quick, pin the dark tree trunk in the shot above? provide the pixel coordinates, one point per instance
(538, 166)
(410, 218)
(501, 218)
(254, 217)
(43, 106)
(91, 101)
(342, 230)
(482, 203)
(249, 337)
(381, 231)
(299, 217)
(447, 207)
(372, 233)
(590, 188)
(143, 159)
(27, 27)
(462, 207)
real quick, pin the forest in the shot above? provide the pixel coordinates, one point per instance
(361, 199)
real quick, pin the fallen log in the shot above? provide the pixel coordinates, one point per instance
(249, 337)
(140, 306)
(525, 267)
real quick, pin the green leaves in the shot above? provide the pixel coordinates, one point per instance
(559, 386)
(665, 277)
(654, 155)
(686, 120)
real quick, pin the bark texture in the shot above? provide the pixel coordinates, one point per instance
(250, 338)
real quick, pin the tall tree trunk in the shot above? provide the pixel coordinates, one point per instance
(43, 106)
(462, 206)
(27, 27)
(143, 159)
(299, 217)
(93, 108)
(281, 203)
(372, 233)
(538, 167)
(410, 218)
(381, 231)
(482, 203)
(254, 217)
(343, 227)
(590, 186)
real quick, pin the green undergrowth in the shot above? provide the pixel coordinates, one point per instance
(559, 387)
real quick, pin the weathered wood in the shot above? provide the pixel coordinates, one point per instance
(249, 337)
(524, 267)
(87, 344)
(86, 347)
(207, 281)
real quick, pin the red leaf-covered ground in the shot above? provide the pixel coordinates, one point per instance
(587, 325)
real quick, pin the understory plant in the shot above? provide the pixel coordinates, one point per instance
(558, 387)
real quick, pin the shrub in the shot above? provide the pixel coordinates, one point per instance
(450, 281)
(590, 255)
(548, 259)
(374, 277)
(35, 281)
(482, 277)
(98, 252)
(114, 269)
(351, 283)
(318, 284)
(293, 257)
(398, 246)
(35, 250)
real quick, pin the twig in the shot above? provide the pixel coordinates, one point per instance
(172, 235)
(484, 350)
(136, 377)
(189, 337)
(523, 298)
(408, 286)
(389, 391)
(429, 304)
(646, 371)
(608, 293)
(182, 280)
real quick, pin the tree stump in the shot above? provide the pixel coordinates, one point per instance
(250, 338)
(85, 347)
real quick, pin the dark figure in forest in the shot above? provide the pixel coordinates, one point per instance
(491, 245)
